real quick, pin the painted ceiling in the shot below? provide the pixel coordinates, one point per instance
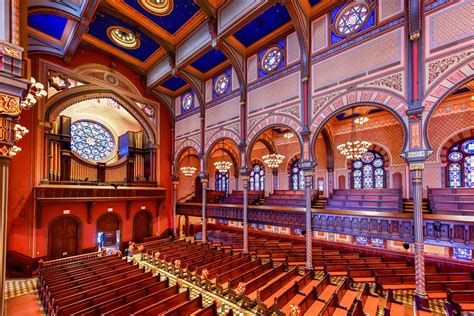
(150, 36)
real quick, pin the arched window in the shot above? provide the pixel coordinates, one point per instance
(222, 181)
(257, 178)
(91, 140)
(368, 172)
(296, 177)
(460, 169)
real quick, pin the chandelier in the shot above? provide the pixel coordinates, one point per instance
(222, 166)
(361, 120)
(354, 149)
(288, 135)
(273, 160)
(188, 170)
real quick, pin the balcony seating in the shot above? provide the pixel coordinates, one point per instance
(237, 197)
(452, 201)
(378, 200)
(289, 198)
(211, 197)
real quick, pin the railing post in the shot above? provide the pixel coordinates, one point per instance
(175, 201)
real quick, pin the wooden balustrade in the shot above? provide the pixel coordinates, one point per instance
(454, 231)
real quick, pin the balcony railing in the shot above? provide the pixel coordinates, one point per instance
(447, 230)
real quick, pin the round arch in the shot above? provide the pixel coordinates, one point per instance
(233, 156)
(446, 85)
(291, 161)
(108, 222)
(69, 240)
(387, 157)
(270, 122)
(219, 135)
(180, 153)
(62, 100)
(451, 140)
(185, 145)
(375, 97)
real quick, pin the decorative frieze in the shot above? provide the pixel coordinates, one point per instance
(293, 110)
(392, 82)
(438, 67)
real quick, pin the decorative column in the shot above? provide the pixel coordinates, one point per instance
(308, 176)
(175, 201)
(416, 170)
(204, 219)
(275, 178)
(245, 183)
(330, 181)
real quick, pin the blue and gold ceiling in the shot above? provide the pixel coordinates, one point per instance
(143, 33)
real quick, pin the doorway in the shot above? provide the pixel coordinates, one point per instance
(108, 232)
(63, 238)
(142, 226)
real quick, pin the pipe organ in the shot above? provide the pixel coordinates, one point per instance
(132, 163)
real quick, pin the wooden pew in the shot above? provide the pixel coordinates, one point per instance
(115, 289)
(129, 292)
(368, 273)
(394, 307)
(251, 288)
(162, 305)
(221, 279)
(222, 269)
(366, 304)
(146, 301)
(462, 302)
(265, 294)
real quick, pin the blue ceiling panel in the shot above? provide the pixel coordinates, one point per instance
(183, 10)
(174, 83)
(98, 28)
(50, 24)
(314, 2)
(267, 22)
(209, 60)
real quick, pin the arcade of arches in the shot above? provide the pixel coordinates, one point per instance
(332, 136)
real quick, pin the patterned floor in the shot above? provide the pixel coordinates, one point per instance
(18, 287)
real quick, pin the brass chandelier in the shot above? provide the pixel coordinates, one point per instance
(354, 148)
(222, 166)
(273, 160)
(188, 170)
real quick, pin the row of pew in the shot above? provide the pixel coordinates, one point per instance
(290, 198)
(452, 201)
(378, 200)
(110, 285)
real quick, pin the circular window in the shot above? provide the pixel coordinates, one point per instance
(468, 147)
(351, 18)
(271, 59)
(455, 156)
(91, 140)
(358, 164)
(123, 37)
(188, 101)
(368, 157)
(222, 83)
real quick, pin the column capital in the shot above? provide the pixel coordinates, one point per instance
(416, 165)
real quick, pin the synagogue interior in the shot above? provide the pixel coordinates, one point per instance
(237, 157)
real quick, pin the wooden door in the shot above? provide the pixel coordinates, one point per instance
(342, 182)
(63, 238)
(141, 226)
(109, 224)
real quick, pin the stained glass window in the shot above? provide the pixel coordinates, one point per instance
(187, 102)
(91, 140)
(296, 177)
(461, 164)
(222, 181)
(361, 240)
(221, 84)
(257, 178)
(462, 253)
(377, 242)
(271, 59)
(351, 18)
(368, 172)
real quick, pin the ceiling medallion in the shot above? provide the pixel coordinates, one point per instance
(157, 7)
(123, 37)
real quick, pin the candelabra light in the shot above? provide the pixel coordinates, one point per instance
(222, 166)
(273, 160)
(35, 92)
(361, 120)
(354, 148)
(188, 171)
